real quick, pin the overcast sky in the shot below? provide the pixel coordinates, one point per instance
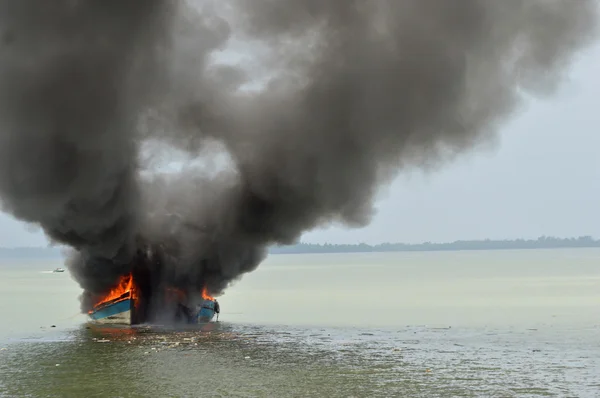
(542, 177)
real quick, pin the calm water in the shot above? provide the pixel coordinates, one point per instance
(472, 324)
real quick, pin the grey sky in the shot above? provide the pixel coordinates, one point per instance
(541, 177)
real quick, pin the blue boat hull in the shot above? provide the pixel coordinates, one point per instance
(116, 313)
(121, 313)
(207, 312)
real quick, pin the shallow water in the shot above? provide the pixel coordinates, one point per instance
(475, 324)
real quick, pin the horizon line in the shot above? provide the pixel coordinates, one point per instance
(542, 237)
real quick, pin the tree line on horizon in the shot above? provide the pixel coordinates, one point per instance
(543, 242)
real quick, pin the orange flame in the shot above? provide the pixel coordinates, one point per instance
(175, 294)
(205, 295)
(125, 289)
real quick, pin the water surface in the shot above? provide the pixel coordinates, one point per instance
(474, 324)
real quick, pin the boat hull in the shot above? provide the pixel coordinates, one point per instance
(206, 312)
(115, 313)
(120, 313)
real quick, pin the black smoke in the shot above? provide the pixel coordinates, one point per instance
(335, 99)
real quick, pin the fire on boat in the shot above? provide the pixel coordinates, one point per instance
(140, 297)
(122, 306)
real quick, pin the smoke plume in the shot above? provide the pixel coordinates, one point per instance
(333, 99)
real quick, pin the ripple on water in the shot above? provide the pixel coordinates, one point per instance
(249, 360)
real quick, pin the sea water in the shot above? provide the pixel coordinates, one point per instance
(446, 324)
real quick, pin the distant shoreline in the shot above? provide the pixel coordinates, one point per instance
(460, 245)
(543, 242)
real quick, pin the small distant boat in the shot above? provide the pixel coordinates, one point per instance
(59, 270)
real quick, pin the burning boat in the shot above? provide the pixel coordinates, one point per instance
(123, 306)
(118, 306)
(208, 308)
(145, 296)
